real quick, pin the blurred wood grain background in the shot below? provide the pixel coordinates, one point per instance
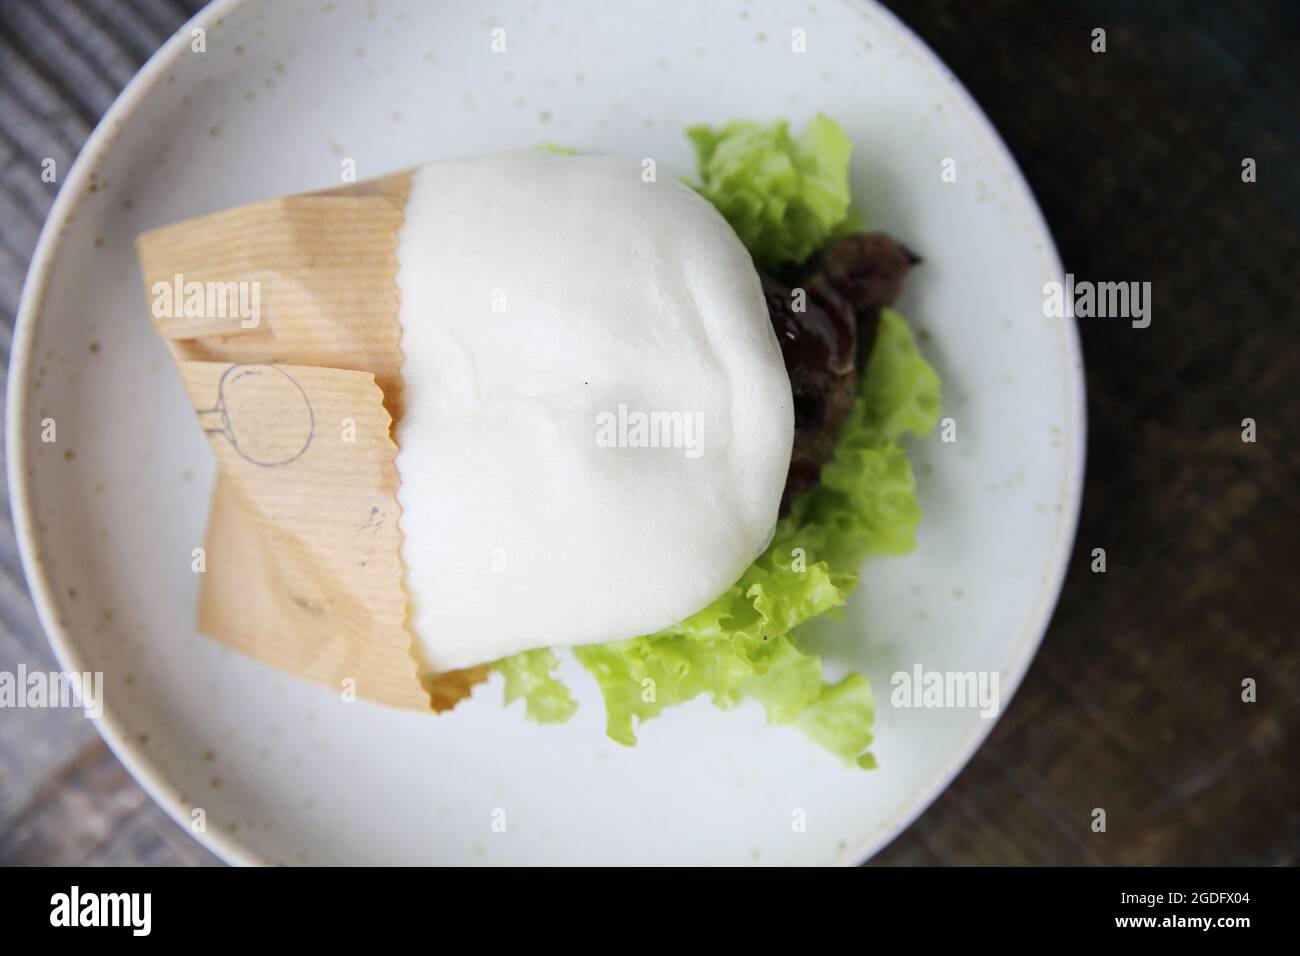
(1133, 703)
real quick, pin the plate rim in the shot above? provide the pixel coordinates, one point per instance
(143, 768)
(1075, 450)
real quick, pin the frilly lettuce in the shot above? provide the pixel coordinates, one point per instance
(528, 675)
(785, 197)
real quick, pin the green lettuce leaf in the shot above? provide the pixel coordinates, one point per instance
(785, 197)
(528, 675)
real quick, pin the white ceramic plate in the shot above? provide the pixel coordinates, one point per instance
(286, 772)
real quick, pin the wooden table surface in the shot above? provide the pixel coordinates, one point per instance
(1134, 702)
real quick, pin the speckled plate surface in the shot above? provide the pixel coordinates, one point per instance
(285, 92)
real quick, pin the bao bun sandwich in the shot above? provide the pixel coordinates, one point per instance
(651, 421)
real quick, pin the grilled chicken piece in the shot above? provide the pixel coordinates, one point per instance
(828, 341)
